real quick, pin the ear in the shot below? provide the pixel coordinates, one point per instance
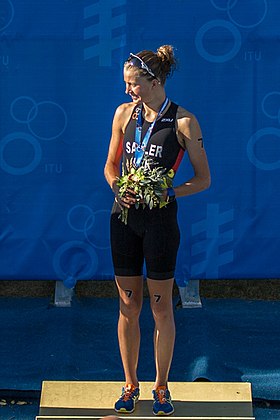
(155, 83)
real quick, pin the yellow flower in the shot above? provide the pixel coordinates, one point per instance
(171, 173)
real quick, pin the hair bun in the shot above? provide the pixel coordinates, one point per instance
(166, 53)
(169, 63)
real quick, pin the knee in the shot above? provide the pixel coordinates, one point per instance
(130, 308)
(162, 313)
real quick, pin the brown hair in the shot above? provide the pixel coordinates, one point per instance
(162, 63)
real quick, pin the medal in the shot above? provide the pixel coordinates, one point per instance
(141, 146)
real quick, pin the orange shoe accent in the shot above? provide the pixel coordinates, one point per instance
(161, 393)
(128, 390)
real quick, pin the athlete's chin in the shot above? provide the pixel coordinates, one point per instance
(135, 99)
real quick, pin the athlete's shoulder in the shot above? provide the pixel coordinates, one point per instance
(123, 114)
(125, 109)
(186, 119)
(188, 127)
(184, 113)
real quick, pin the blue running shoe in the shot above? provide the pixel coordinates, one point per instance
(162, 402)
(128, 399)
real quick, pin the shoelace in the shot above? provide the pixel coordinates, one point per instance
(160, 393)
(128, 391)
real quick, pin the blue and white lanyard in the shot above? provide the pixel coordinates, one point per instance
(141, 146)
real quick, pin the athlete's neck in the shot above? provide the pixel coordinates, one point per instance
(152, 108)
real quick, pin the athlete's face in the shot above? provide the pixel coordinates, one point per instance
(139, 88)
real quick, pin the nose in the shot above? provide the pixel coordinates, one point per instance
(127, 88)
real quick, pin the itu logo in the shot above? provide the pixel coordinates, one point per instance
(271, 109)
(209, 241)
(240, 14)
(6, 14)
(79, 259)
(103, 19)
(20, 151)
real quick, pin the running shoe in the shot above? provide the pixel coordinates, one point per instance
(128, 399)
(162, 402)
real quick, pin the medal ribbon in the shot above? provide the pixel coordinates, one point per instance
(141, 146)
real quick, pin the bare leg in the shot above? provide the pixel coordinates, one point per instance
(131, 298)
(164, 336)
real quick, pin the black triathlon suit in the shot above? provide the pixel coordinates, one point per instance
(150, 235)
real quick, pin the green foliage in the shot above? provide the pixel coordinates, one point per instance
(147, 181)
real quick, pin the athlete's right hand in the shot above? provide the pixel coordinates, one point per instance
(125, 200)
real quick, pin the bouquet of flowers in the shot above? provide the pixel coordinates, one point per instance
(147, 181)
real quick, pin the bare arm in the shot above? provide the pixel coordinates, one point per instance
(189, 133)
(112, 166)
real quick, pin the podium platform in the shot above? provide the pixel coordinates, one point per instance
(192, 400)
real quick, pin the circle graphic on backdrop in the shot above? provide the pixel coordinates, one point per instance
(232, 9)
(213, 24)
(72, 248)
(267, 131)
(50, 115)
(98, 239)
(83, 214)
(7, 13)
(225, 2)
(18, 109)
(270, 96)
(14, 170)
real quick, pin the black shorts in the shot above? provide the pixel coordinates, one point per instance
(150, 235)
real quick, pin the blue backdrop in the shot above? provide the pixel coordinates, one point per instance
(61, 79)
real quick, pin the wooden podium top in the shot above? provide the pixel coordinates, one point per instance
(192, 400)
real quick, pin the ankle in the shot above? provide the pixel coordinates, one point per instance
(160, 385)
(131, 385)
